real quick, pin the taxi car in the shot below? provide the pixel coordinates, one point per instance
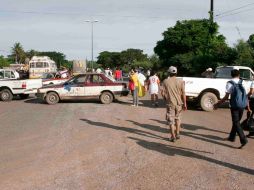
(84, 86)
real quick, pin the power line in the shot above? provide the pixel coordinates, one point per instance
(246, 10)
(229, 11)
(88, 15)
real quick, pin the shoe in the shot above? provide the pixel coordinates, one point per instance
(133, 105)
(172, 139)
(243, 144)
(177, 137)
(230, 139)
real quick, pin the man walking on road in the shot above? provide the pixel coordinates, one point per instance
(235, 89)
(173, 91)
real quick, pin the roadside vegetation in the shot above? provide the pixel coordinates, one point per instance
(191, 45)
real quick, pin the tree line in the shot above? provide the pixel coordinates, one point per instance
(20, 56)
(190, 45)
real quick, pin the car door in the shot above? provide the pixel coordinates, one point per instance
(94, 85)
(74, 89)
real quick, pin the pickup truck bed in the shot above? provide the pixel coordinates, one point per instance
(9, 88)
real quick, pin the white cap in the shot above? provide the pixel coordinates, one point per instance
(172, 69)
(209, 69)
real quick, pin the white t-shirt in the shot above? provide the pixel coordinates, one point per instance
(154, 85)
(252, 84)
(229, 86)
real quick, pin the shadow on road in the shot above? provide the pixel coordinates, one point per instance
(168, 149)
(203, 137)
(191, 127)
(172, 151)
(126, 129)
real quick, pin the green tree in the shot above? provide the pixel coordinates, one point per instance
(245, 54)
(109, 59)
(18, 53)
(31, 53)
(192, 46)
(58, 57)
(4, 62)
(129, 56)
(251, 41)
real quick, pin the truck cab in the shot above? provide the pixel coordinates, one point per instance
(225, 72)
(8, 74)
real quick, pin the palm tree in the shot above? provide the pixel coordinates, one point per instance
(18, 52)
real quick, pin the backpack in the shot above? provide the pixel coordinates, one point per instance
(238, 99)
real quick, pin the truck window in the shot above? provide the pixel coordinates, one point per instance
(1, 74)
(39, 65)
(12, 75)
(7, 74)
(245, 74)
(32, 65)
(45, 65)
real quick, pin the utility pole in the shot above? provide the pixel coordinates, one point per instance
(211, 12)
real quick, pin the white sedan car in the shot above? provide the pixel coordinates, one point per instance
(84, 86)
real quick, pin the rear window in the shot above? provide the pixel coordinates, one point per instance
(223, 73)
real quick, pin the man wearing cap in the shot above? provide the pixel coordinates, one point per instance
(173, 91)
(208, 73)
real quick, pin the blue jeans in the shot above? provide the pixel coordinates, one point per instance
(135, 96)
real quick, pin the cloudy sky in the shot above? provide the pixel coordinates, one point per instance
(59, 25)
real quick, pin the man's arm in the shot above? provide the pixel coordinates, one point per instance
(222, 100)
(184, 97)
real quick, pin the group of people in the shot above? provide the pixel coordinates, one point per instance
(138, 86)
(172, 90)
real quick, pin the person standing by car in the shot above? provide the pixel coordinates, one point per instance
(173, 91)
(134, 79)
(153, 87)
(238, 101)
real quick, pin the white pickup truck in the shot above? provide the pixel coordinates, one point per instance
(22, 88)
(207, 91)
(8, 74)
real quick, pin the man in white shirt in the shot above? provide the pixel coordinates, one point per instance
(236, 112)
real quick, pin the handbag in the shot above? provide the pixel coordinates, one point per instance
(248, 123)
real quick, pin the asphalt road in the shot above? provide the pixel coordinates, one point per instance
(87, 145)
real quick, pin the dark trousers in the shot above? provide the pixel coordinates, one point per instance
(236, 115)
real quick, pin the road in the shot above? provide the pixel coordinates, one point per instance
(87, 145)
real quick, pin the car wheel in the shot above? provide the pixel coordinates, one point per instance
(24, 96)
(6, 95)
(106, 98)
(207, 101)
(52, 98)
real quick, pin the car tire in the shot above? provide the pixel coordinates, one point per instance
(6, 95)
(207, 101)
(106, 98)
(24, 96)
(52, 98)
